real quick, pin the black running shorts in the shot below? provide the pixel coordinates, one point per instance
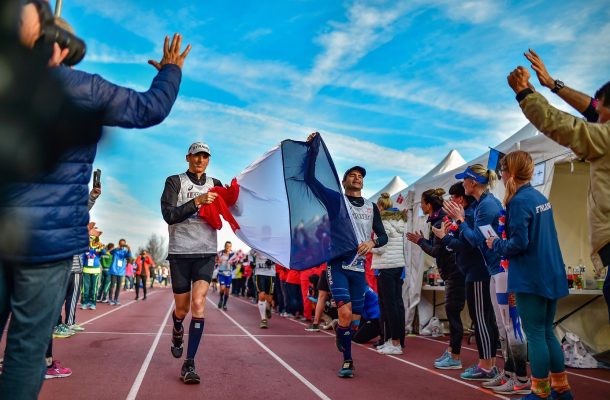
(323, 282)
(185, 271)
(264, 284)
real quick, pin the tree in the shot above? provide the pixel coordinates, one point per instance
(156, 248)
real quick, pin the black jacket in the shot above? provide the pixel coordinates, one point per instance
(445, 258)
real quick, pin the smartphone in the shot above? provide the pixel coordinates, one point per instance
(97, 176)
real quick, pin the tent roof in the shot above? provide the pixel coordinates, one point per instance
(393, 187)
(452, 160)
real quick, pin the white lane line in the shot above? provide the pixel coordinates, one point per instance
(480, 389)
(113, 310)
(475, 350)
(300, 377)
(140, 377)
(207, 334)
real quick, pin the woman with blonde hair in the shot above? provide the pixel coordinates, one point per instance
(537, 273)
(478, 180)
(389, 262)
(455, 284)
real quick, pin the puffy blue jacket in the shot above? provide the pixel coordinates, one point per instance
(119, 261)
(468, 258)
(54, 208)
(487, 212)
(535, 264)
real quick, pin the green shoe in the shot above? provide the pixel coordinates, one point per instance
(61, 332)
(76, 328)
(347, 369)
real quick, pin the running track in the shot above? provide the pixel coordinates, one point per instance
(124, 354)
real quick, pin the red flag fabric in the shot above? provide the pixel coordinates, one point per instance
(220, 206)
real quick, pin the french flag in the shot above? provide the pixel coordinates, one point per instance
(291, 206)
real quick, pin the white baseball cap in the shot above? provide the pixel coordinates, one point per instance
(199, 147)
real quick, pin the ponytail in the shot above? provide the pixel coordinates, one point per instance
(434, 197)
(520, 168)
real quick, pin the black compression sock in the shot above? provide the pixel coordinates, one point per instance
(177, 322)
(195, 333)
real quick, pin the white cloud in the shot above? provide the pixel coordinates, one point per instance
(345, 44)
(472, 11)
(256, 34)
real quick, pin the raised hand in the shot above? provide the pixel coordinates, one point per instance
(171, 53)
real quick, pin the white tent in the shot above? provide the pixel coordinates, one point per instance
(394, 186)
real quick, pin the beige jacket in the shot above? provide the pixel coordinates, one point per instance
(590, 141)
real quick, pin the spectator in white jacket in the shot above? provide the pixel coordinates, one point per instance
(389, 261)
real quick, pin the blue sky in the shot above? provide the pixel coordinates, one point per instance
(391, 85)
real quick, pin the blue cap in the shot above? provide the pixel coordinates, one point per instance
(470, 174)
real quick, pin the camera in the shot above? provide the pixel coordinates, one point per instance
(51, 33)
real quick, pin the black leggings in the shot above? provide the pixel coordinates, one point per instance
(72, 295)
(455, 297)
(115, 280)
(481, 313)
(140, 278)
(604, 254)
(389, 283)
(367, 331)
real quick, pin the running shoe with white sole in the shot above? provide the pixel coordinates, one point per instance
(188, 374)
(313, 328)
(513, 386)
(62, 332)
(76, 328)
(263, 324)
(448, 363)
(347, 369)
(92, 306)
(381, 346)
(443, 356)
(478, 374)
(84, 306)
(390, 349)
(57, 371)
(498, 381)
(177, 340)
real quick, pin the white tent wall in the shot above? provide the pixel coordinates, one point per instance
(394, 186)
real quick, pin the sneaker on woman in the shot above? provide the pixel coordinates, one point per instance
(390, 349)
(76, 328)
(476, 373)
(448, 363)
(313, 328)
(381, 346)
(57, 371)
(513, 386)
(443, 356)
(498, 381)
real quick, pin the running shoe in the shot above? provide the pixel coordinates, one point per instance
(105, 301)
(448, 363)
(84, 306)
(347, 369)
(513, 386)
(498, 381)
(381, 346)
(111, 302)
(57, 371)
(390, 349)
(313, 328)
(268, 313)
(117, 303)
(263, 324)
(477, 374)
(76, 328)
(62, 331)
(224, 308)
(219, 305)
(188, 374)
(177, 340)
(92, 306)
(443, 356)
(555, 395)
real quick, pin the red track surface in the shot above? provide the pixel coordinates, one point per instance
(116, 358)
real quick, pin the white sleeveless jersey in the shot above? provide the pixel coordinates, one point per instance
(362, 220)
(261, 268)
(193, 235)
(224, 268)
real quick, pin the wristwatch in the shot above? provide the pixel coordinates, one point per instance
(558, 86)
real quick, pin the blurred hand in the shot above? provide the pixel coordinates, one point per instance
(311, 136)
(538, 66)
(58, 56)
(206, 198)
(439, 232)
(454, 210)
(518, 80)
(490, 242)
(415, 237)
(95, 192)
(365, 247)
(171, 53)
(29, 26)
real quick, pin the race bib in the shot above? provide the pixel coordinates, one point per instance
(119, 263)
(90, 262)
